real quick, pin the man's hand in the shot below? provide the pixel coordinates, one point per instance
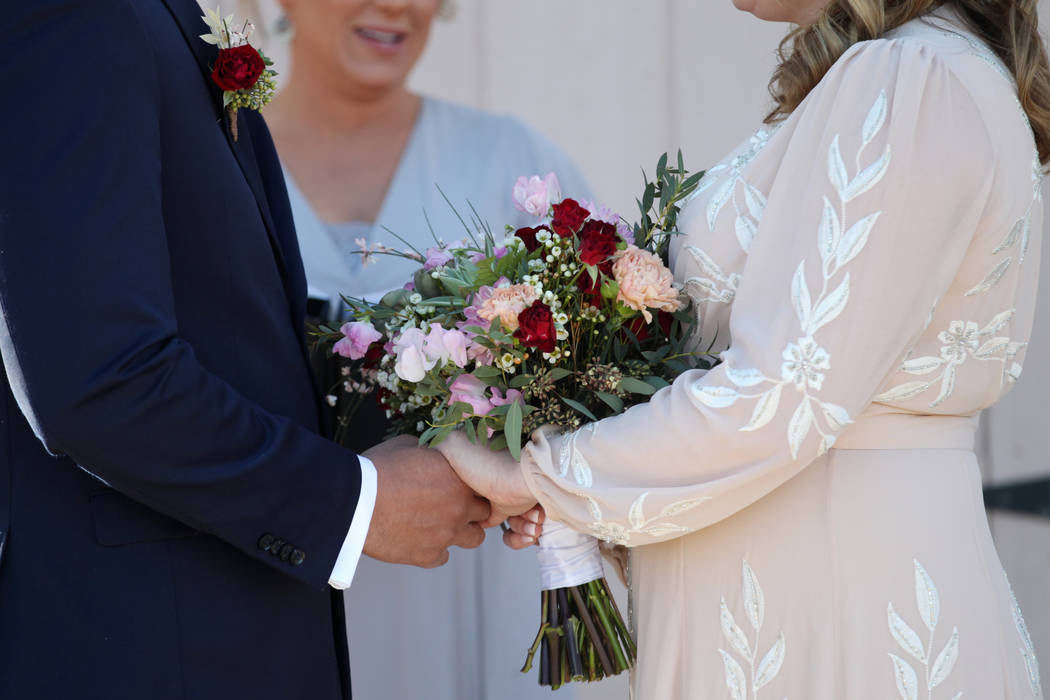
(422, 507)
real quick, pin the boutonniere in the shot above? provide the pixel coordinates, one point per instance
(243, 72)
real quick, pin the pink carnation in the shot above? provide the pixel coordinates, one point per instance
(505, 303)
(357, 337)
(644, 282)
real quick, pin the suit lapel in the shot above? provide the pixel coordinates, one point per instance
(187, 15)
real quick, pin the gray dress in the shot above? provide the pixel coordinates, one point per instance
(459, 632)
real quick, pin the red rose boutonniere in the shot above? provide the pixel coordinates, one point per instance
(243, 72)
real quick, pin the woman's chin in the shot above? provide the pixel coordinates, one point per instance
(374, 77)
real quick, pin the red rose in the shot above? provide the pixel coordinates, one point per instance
(536, 327)
(665, 319)
(568, 217)
(597, 242)
(374, 355)
(528, 236)
(238, 68)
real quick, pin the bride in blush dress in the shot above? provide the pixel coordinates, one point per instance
(805, 520)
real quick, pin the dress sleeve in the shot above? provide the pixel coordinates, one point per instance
(872, 207)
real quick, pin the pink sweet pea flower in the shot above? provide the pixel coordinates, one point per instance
(480, 354)
(412, 364)
(357, 337)
(436, 257)
(445, 346)
(470, 390)
(534, 196)
(513, 396)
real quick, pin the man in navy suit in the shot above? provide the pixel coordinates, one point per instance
(172, 525)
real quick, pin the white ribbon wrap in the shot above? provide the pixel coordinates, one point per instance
(567, 558)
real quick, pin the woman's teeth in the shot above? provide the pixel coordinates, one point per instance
(388, 38)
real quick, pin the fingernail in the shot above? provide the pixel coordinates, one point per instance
(530, 529)
(533, 515)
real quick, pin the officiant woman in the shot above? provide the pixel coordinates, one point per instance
(362, 153)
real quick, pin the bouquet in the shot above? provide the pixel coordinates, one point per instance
(559, 324)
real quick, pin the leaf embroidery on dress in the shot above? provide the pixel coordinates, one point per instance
(937, 669)
(1027, 648)
(725, 179)
(637, 523)
(571, 459)
(712, 284)
(761, 671)
(572, 462)
(805, 362)
(961, 341)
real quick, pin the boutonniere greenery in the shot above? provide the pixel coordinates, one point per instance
(243, 72)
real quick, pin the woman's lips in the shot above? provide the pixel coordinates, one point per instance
(384, 40)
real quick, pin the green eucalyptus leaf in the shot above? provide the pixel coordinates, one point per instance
(471, 430)
(440, 436)
(426, 285)
(577, 406)
(486, 372)
(428, 435)
(559, 373)
(636, 386)
(499, 411)
(654, 356)
(657, 382)
(611, 400)
(512, 430)
(521, 380)
(396, 299)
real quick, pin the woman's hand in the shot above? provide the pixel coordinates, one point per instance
(525, 529)
(494, 475)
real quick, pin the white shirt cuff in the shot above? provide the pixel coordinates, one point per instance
(350, 554)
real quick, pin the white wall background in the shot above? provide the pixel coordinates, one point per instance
(616, 83)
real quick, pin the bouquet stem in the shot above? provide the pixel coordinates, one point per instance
(581, 637)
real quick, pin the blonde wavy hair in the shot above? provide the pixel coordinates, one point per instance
(1009, 27)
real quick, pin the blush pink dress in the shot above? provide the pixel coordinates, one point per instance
(806, 519)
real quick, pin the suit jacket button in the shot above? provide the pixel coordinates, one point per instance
(298, 557)
(265, 542)
(275, 548)
(286, 552)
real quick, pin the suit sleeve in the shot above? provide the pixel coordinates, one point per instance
(89, 336)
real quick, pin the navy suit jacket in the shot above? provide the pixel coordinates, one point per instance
(170, 513)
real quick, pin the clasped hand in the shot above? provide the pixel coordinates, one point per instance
(428, 500)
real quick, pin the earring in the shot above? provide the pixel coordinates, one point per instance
(283, 28)
(448, 10)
